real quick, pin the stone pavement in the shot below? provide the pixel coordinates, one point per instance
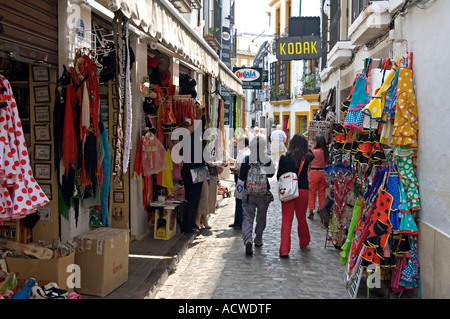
(215, 265)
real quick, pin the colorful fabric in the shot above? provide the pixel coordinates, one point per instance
(379, 230)
(409, 180)
(392, 189)
(354, 117)
(20, 194)
(351, 232)
(406, 122)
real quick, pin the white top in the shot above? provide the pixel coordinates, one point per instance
(241, 156)
(278, 135)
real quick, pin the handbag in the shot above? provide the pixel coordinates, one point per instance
(288, 185)
(239, 189)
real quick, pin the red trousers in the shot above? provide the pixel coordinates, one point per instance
(299, 206)
(317, 187)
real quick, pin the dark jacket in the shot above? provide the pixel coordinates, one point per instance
(286, 165)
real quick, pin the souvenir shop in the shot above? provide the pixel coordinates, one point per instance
(175, 122)
(78, 135)
(374, 200)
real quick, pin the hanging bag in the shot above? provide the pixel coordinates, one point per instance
(288, 185)
(239, 188)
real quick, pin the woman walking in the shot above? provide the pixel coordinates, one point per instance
(297, 155)
(255, 171)
(317, 182)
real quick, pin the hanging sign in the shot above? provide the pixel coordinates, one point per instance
(298, 48)
(251, 77)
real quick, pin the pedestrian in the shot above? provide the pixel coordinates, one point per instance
(255, 171)
(317, 182)
(278, 138)
(249, 134)
(256, 131)
(262, 133)
(192, 189)
(243, 151)
(297, 154)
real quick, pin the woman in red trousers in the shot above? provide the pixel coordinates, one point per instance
(317, 182)
(297, 154)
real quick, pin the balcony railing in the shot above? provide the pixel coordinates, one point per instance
(358, 6)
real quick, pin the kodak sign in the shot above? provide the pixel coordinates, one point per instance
(298, 48)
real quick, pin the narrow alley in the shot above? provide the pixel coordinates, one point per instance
(215, 266)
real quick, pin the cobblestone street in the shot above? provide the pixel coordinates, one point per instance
(215, 265)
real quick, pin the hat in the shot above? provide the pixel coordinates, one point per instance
(30, 220)
(149, 106)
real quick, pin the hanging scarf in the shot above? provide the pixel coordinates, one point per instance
(120, 83)
(128, 106)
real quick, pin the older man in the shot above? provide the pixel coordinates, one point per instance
(278, 138)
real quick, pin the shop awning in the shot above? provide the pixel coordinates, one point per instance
(160, 20)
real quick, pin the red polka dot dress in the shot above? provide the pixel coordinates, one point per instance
(20, 194)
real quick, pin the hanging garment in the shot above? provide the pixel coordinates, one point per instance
(106, 180)
(128, 106)
(360, 97)
(183, 109)
(393, 190)
(20, 194)
(69, 142)
(378, 235)
(383, 100)
(153, 155)
(362, 229)
(408, 179)
(409, 278)
(406, 122)
(351, 231)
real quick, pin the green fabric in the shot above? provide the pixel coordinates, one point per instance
(351, 231)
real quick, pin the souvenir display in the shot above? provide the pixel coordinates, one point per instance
(374, 150)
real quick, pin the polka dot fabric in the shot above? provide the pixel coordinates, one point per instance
(406, 122)
(20, 194)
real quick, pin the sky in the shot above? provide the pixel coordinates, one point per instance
(251, 15)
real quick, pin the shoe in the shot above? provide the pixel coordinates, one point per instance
(258, 245)
(232, 225)
(284, 256)
(237, 227)
(311, 215)
(248, 248)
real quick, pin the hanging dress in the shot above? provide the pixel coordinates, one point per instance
(20, 194)
(406, 122)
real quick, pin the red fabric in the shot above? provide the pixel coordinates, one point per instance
(137, 169)
(69, 136)
(317, 187)
(299, 205)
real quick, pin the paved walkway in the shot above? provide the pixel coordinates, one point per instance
(215, 265)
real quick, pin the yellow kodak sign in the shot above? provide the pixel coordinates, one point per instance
(298, 48)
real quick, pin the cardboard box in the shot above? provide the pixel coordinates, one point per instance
(102, 256)
(165, 223)
(43, 270)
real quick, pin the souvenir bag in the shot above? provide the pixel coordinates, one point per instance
(239, 189)
(256, 181)
(288, 185)
(200, 174)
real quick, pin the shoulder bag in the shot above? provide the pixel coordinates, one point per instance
(288, 185)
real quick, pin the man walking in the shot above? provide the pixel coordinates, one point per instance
(278, 138)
